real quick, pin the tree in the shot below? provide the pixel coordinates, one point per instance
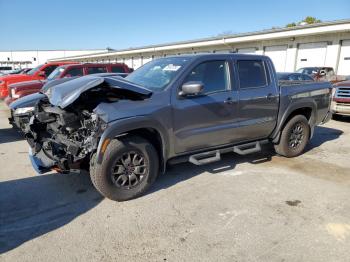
(311, 20)
(291, 24)
(306, 20)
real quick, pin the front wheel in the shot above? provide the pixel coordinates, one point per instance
(129, 167)
(294, 137)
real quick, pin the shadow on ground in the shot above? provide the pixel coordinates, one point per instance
(8, 135)
(323, 134)
(33, 206)
(185, 171)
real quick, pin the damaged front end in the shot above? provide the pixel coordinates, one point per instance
(64, 129)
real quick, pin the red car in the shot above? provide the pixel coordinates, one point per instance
(19, 90)
(41, 72)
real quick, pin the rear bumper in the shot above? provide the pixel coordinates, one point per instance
(340, 108)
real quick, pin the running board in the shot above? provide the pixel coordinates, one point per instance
(205, 158)
(246, 149)
(215, 155)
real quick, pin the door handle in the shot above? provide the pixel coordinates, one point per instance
(229, 101)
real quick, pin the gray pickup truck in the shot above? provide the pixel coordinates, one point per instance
(184, 108)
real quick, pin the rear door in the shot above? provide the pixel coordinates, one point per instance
(258, 98)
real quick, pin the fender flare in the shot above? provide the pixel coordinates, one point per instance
(125, 125)
(295, 105)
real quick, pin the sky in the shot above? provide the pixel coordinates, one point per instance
(119, 24)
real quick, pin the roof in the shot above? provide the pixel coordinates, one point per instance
(300, 30)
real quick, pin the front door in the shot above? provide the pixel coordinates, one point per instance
(207, 119)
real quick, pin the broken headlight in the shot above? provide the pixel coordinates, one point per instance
(23, 111)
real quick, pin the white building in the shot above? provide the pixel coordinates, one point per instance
(322, 44)
(32, 58)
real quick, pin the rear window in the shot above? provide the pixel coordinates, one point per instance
(96, 70)
(251, 73)
(117, 69)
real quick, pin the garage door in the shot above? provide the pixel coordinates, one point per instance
(246, 50)
(344, 59)
(312, 54)
(278, 55)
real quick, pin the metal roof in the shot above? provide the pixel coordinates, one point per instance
(216, 38)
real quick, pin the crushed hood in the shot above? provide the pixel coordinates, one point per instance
(65, 92)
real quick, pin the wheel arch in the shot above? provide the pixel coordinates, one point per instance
(307, 109)
(148, 129)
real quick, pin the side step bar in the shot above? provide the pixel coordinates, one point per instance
(215, 155)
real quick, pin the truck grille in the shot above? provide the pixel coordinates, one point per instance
(343, 92)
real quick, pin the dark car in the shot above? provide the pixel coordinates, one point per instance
(294, 77)
(194, 108)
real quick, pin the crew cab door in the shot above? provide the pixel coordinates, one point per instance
(258, 98)
(207, 119)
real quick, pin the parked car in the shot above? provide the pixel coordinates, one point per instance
(341, 99)
(20, 71)
(22, 107)
(41, 72)
(18, 90)
(322, 74)
(184, 108)
(294, 77)
(5, 69)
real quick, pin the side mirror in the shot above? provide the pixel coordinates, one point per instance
(191, 88)
(42, 74)
(322, 72)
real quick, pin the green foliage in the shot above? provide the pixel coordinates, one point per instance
(291, 25)
(311, 20)
(307, 20)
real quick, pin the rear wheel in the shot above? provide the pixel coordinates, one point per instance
(294, 137)
(129, 167)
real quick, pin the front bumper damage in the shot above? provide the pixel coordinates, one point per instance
(65, 128)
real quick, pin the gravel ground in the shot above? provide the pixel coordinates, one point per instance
(261, 207)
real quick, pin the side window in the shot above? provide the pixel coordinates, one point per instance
(213, 74)
(74, 72)
(96, 70)
(49, 69)
(117, 69)
(251, 73)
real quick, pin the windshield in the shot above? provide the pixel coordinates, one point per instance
(157, 74)
(307, 70)
(56, 73)
(34, 70)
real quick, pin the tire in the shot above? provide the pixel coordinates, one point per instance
(135, 164)
(295, 135)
